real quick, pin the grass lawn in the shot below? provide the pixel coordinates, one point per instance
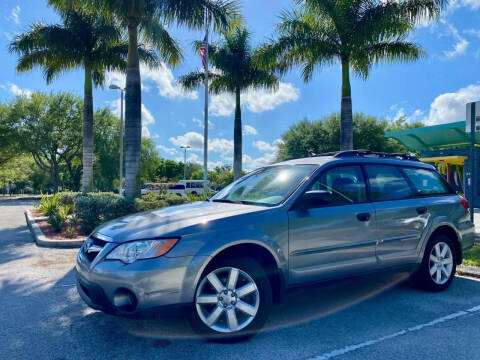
(472, 256)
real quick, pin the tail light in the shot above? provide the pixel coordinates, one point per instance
(464, 202)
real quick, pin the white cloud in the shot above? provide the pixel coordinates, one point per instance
(472, 32)
(461, 44)
(264, 146)
(472, 4)
(16, 90)
(222, 105)
(162, 78)
(450, 107)
(195, 140)
(200, 123)
(14, 15)
(167, 150)
(416, 116)
(166, 84)
(257, 101)
(147, 117)
(249, 130)
(269, 155)
(262, 100)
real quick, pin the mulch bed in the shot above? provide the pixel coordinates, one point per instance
(36, 213)
(52, 234)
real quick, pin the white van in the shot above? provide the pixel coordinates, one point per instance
(194, 187)
(177, 189)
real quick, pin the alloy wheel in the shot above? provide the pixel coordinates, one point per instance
(227, 300)
(441, 263)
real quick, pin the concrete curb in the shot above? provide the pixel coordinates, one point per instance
(43, 241)
(467, 270)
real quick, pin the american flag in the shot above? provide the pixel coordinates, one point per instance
(203, 52)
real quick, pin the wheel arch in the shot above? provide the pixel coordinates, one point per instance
(451, 233)
(258, 251)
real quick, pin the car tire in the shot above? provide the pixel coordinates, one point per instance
(257, 303)
(438, 266)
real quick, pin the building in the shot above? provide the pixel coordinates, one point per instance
(447, 146)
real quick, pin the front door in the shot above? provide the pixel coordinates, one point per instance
(335, 235)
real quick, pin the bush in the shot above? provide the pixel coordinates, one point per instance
(55, 221)
(70, 232)
(152, 201)
(68, 198)
(93, 209)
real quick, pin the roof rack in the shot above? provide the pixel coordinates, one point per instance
(368, 153)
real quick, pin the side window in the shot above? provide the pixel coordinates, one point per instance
(426, 182)
(344, 184)
(387, 183)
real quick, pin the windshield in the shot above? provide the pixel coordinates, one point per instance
(267, 186)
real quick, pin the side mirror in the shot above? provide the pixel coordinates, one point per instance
(313, 199)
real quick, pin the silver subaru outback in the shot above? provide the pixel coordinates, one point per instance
(229, 258)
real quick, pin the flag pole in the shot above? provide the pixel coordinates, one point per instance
(205, 128)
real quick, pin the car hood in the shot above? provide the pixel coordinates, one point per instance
(178, 220)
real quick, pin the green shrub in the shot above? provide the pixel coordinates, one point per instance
(94, 208)
(70, 232)
(68, 198)
(56, 221)
(172, 200)
(152, 201)
(49, 204)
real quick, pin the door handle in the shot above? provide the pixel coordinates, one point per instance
(421, 210)
(363, 216)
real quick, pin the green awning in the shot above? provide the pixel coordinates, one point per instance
(436, 137)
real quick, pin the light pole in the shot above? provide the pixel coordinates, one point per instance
(185, 161)
(122, 90)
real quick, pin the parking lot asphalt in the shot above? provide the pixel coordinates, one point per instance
(381, 317)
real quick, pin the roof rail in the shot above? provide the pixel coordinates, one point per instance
(368, 153)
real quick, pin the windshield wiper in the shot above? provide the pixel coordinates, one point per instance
(243, 202)
(228, 201)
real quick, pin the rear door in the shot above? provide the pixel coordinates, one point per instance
(401, 216)
(335, 238)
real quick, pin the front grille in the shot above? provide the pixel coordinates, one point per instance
(93, 246)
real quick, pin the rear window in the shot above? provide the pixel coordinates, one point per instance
(387, 183)
(427, 182)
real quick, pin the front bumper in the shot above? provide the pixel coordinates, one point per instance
(145, 284)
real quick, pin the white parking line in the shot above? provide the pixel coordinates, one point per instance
(350, 348)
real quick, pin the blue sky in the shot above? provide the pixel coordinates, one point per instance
(433, 90)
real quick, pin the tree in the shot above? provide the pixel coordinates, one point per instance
(87, 41)
(308, 138)
(16, 172)
(152, 18)
(106, 142)
(49, 127)
(150, 161)
(234, 72)
(355, 33)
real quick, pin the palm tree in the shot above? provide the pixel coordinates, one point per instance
(234, 72)
(151, 18)
(83, 41)
(355, 33)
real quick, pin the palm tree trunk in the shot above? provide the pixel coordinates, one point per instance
(346, 116)
(87, 132)
(237, 138)
(133, 114)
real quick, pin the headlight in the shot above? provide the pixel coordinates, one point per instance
(143, 249)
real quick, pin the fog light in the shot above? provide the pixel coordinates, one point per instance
(125, 300)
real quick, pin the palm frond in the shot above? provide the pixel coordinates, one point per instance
(159, 37)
